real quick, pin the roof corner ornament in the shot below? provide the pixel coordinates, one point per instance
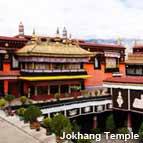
(120, 99)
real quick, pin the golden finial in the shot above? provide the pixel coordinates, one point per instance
(70, 39)
(57, 38)
(35, 38)
(64, 33)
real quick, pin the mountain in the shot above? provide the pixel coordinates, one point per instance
(127, 43)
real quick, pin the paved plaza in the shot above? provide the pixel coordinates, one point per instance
(12, 130)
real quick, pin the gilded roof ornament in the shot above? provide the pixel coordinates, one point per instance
(57, 38)
(64, 32)
(35, 38)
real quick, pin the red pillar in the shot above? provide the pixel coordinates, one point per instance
(94, 122)
(129, 122)
(5, 87)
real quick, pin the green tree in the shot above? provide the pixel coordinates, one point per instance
(2, 102)
(47, 122)
(9, 98)
(110, 123)
(32, 113)
(141, 132)
(61, 124)
(23, 99)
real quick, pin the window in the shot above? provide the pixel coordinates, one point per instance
(97, 62)
(14, 63)
(54, 89)
(42, 90)
(64, 88)
(111, 63)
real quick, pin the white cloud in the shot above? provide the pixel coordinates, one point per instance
(83, 18)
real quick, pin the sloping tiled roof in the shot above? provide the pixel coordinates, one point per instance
(53, 49)
(127, 79)
(101, 45)
(12, 38)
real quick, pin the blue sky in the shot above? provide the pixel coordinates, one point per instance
(83, 18)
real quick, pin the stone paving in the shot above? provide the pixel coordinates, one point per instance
(15, 131)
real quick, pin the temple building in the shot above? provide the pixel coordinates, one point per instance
(109, 61)
(34, 65)
(50, 67)
(127, 91)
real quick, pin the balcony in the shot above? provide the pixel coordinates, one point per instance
(36, 72)
(49, 71)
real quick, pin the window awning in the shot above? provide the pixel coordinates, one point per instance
(38, 78)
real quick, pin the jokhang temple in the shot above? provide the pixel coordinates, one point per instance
(39, 67)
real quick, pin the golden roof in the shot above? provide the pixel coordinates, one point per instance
(135, 59)
(53, 49)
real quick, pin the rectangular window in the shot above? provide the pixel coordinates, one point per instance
(14, 63)
(97, 62)
(42, 90)
(54, 89)
(111, 63)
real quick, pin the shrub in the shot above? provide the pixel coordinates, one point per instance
(32, 113)
(110, 124)
(23, 99)
(2, 102)
(57, 96)
(9, 98)
(141, 132)
(61, 123)
(47, 122)
(122, 130)
(21, 111)
(96, 131)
